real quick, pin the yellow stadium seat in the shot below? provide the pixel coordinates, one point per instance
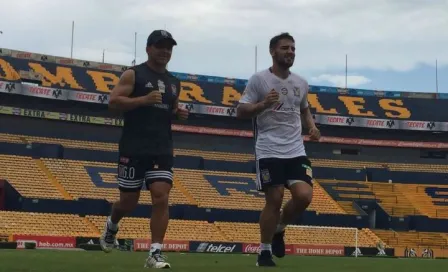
(412, 239)
(45, 224)
(27, 178)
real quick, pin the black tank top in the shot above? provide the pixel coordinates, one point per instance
(147, 130)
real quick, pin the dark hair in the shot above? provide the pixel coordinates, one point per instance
(274, 41)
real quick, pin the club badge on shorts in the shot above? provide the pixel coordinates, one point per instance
(265, 176)
(308, 170)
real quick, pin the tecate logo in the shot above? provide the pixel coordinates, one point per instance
(206, 247)
(250, 248)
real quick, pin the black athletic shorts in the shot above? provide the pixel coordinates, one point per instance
(135, 171)
(276, 171)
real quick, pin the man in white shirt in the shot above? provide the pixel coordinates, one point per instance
(277, 101)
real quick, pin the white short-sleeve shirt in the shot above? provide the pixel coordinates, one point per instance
(278, 129)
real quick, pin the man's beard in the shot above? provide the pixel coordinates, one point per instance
(283, 64)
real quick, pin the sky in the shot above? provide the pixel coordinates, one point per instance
(390, 44)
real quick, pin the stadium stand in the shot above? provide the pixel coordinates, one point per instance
(389, 194)
(188, 230)
(96, 180)
(396, 199)
(227, 156)
(235, 190)
(403, 167)
(90, 145)
(412, 239)
(390, 198)
(66, 181)
(248, 233)
(82, 179)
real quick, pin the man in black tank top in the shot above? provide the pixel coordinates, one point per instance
(148, 95)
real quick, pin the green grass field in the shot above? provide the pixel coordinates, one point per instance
(94, 261)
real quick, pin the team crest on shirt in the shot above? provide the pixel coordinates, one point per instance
(296, 91)
(174, 89)
(161, 86)
(265, 176)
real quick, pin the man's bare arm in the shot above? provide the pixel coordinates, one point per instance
(175, 105)
(248, 110)
(307, 118)
(119, 97)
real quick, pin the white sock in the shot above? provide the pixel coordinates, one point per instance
(154, 247)
(111, 225)
(280, 228)
(265, 247)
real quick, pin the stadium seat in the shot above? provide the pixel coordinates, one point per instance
(11, 138)
(27, 177)
(412, 239)
(46, 224)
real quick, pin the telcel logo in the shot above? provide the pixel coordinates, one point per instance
(220, 248)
